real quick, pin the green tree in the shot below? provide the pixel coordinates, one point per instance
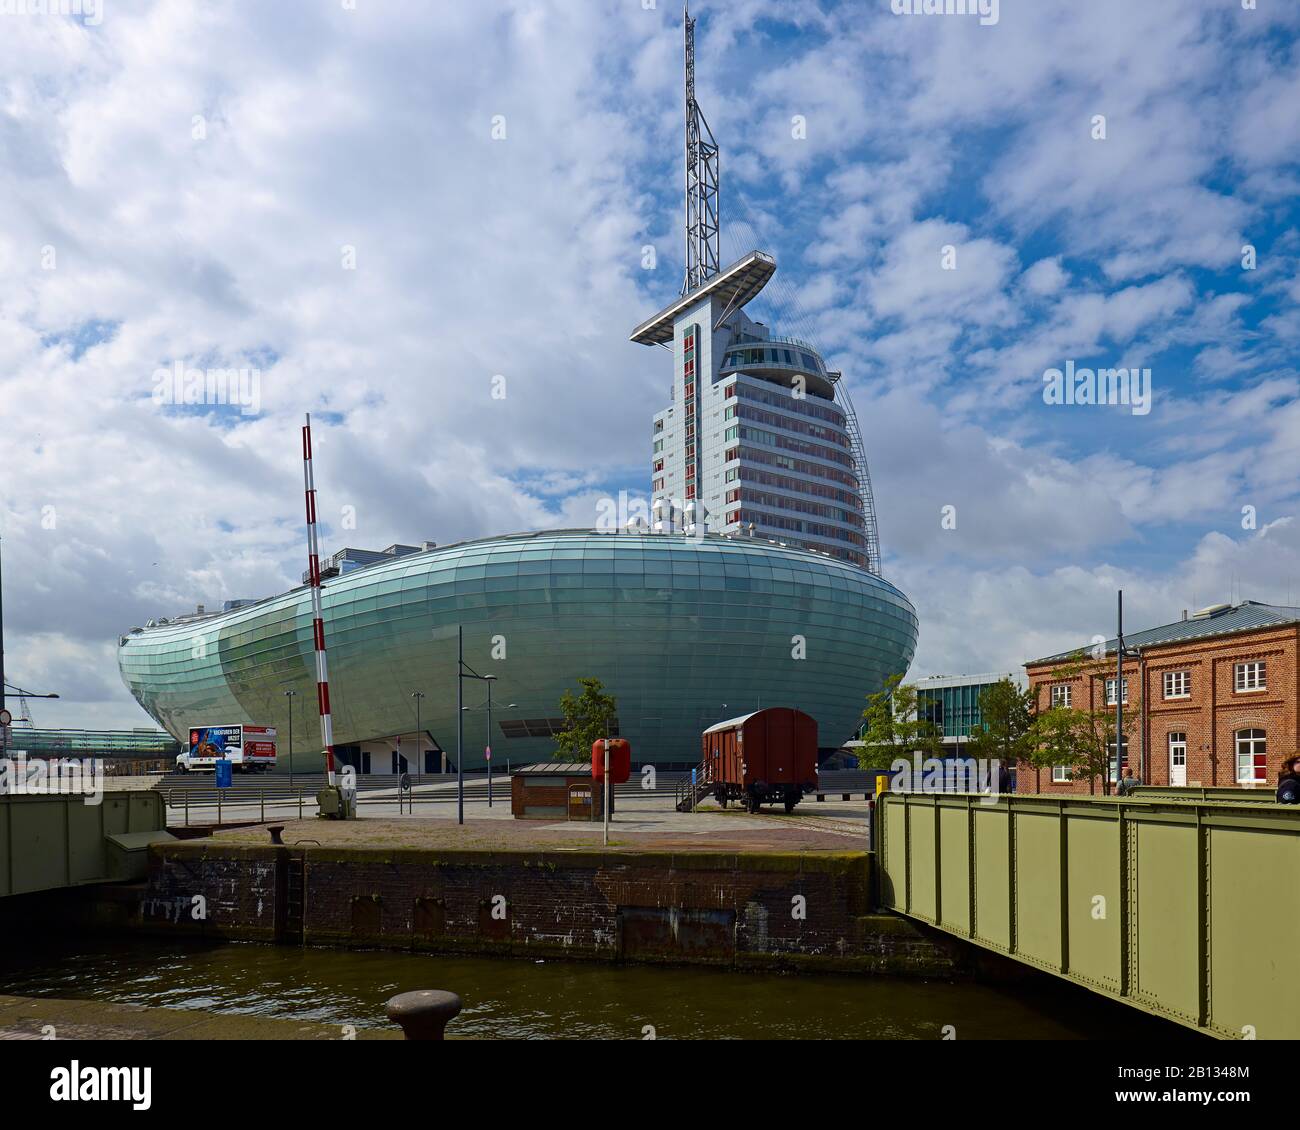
(1006, 730)
(587, 717)
(1083, 740)
(892, 729)
(1054, 739)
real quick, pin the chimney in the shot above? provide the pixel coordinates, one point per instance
(1184, 613)
(200, 610)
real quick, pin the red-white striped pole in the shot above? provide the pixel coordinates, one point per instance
(317, 617)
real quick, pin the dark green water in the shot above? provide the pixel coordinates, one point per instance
(522, 999)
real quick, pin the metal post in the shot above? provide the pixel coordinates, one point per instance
(290, 695)
(219, 792)
(460, 725)
(187, 808)
(606, 814)
(1119, 693)
(263, 820)
(318, 614)
(2, 656)
(487, 749)
(418, 696)
(300, 804)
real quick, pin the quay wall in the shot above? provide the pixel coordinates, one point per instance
(810, 911)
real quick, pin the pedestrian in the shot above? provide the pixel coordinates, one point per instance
(1288, 782)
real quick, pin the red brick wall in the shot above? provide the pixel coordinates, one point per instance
(710, 907)
(1210, 717)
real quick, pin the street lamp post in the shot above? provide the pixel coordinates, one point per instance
(487, 748)
(465, 671)
(290, 695)
(419, 698)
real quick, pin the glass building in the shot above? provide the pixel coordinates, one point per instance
(952, 702)
(138, 743)
(683, 631)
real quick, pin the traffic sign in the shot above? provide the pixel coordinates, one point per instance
(223, 772)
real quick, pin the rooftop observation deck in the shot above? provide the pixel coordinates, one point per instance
(734, 286)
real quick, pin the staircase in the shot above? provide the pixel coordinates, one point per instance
(688, 795)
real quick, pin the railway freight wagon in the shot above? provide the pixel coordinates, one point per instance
(768, 757)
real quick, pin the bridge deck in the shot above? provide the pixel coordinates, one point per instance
(1183, 908)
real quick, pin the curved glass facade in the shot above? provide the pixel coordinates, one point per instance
(683, 631)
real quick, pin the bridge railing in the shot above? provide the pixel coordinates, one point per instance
(1186, 909)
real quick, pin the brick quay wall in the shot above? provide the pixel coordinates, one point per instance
(812, 911)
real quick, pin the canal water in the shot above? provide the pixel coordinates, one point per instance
(565, 1000)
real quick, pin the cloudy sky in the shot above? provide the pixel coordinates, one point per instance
(382, 207)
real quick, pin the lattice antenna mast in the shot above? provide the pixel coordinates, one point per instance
(703, 242)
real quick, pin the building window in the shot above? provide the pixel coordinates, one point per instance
(1060, 774)
(658, 484)
(734, 453)
(731, 391)
(1110, 692)
(1118, 769)
(1252, 757)
(1061, 695)
(729, 413)
(659, 446)
(1178, 684)
(732, 432)
(659, 425)
(1248, 677)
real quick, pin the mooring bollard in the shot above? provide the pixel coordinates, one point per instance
(424, 1013)
(277, 833)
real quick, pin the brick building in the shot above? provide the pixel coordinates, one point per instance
(1216, 696)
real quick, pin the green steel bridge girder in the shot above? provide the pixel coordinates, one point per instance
(1185, 909)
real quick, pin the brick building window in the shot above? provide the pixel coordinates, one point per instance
(1060, 774)
(1248, 677)
(1252, 757)
(1060, 697)
(1110, 692)
(1117, 767)
(1178, 684)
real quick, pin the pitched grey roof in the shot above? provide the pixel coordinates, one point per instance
(1231, 618)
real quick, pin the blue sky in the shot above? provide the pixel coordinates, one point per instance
(321, 194)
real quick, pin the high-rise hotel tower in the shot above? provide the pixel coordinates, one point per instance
(760, 438)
